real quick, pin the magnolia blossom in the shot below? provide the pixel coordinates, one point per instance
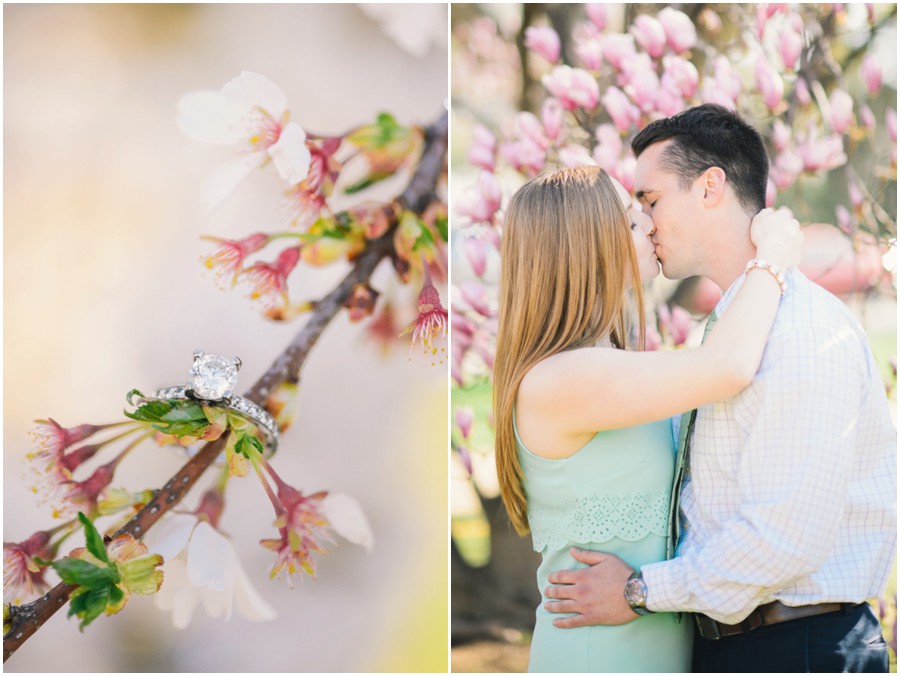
(476, 297)
(620, 109)
(608, 151)
(618, 48)
(781, 135)
(643, 85)
(682, 74)
(867, 118)
(596, 12)
(680, 31)
(574, 87)
(574, 155)
(590, 51)
(769, 82)
(202, 567)
(825, 153)
(650, 34)
(530, 127)
(544, 41)
(524, 155)
(249, 114)
(552, 118)
(464, 418)
(840, 116)
(475, 253)
(676, 322)
(481, 204)
(870, 72)
(483, 148)
(790, 44)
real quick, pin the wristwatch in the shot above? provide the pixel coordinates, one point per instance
(636, 593)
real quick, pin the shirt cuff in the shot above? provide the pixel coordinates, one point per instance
(666, 585)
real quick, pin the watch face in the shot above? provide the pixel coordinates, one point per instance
(636, 592)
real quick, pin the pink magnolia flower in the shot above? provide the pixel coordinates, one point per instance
(620, 109)
(530, 127)
(682, 74)
(676, 323)
(623, 172)
(822, 154)
(484, 145)
(787, 167)
(23, 577)
(890, 119)
(475, 253)
(476, 296)
(589, 51)
(844, 219)
(856, 194)
(249, 114)
(725, 85)
(790, 44)
(618, 48)
(650, 34)
(668, 99)
(867, 118)
(680, 31)
(481, 204)
(769, 82)
(228, 258)
(870, 71)
(643, 87)
(552, 118)
(544, 41)
(608, 151)
(430, 326)
(781, 135)
(771, 192)
(574, 155)
(596, 12)
(268, 281)
(801, 91)
(464, 418)
(840, 111)
(574, 87)
(524, 155)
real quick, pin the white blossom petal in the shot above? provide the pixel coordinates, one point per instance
(211, 559)
(217, 603)
(347, 518)
(249, 602)
(171, 536)
(290, 154)
(211, 117)
(257, 90)
(177, 594)
(227, 176)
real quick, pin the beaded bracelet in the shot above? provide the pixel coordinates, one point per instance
(771, 268)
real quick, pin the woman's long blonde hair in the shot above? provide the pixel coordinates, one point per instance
(566, 251)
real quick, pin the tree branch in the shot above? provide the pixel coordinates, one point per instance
(27, 619)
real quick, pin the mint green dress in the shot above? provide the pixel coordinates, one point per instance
(612, 496)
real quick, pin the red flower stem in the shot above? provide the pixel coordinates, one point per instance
(419, 193)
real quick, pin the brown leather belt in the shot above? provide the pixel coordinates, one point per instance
(771, 613)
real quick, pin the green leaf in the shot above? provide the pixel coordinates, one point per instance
(116, 594)
(441, 223)
(371, 179)
(88, 605)
(95, 544)
(191, 428)
(247, 442)
(184, 411)
(151, 411)
(425, 239)
(133, 393)
(83, 573)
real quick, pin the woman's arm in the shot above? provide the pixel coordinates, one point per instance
(576, 393)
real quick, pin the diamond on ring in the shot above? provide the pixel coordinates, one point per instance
(212, 379)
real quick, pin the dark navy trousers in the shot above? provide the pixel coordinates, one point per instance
(842, 641)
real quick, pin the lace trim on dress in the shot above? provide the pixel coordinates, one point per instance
(600, 518)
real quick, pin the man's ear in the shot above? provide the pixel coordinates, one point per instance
(713, 182)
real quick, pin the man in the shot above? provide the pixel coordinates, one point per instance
(788, 501)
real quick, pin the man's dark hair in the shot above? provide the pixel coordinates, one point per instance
(711, 136)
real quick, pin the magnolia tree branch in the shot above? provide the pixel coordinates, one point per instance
(25, 620)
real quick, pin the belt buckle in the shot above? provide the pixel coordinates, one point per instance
(709, 628)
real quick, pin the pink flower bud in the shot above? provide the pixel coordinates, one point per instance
(574, 155)
(620, 109)
(464, 417)
(668, 99)
(524, 155)
(790, 44)
(475, 253)
(618, 47)
(841, 111)
(726, 79)
(801, 91)
(823, 154)
(680, 31)
(867, 118)
(552, 117)
(781, 135)
(476, 296)
(682, 73)
(870, 12)
(574, 87)
(643, 89)
(609, 149)
(771, 192)
(870, 71)
(890, 119)
(650, 34)
(844, 219)
(530, 128)
(544, 41)
(590, 52)
(596, 12)
(769, 83)
(481, 205)
(787, 167)
(465, 456)
(624, 172)
(484, 145)
(856, 195)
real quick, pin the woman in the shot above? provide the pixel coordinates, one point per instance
(585, 450)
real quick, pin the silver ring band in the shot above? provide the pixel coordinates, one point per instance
(250, 410)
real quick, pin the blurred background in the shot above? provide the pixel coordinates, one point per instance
(104, 292)
(537, 86)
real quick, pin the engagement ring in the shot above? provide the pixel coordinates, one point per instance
(212, 380)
